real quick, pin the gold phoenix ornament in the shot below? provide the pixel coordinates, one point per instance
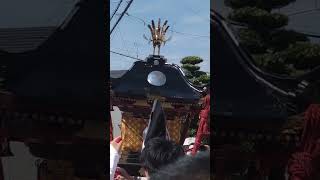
(158, 35)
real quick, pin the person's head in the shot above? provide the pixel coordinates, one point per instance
(158, 153)
(187, 168)
(204, 148)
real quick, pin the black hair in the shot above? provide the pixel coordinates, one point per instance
(159, 152)
(187, 168)
(202, 148)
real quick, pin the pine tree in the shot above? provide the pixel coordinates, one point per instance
(192, 70)
(197, 77)
(274, 48)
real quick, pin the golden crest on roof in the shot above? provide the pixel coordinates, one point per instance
(158, 35)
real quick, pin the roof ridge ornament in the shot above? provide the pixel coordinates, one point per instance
(156, 60)
(158, 35)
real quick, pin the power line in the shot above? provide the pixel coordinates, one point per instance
(135, 45)
(182, 33)
(196, 13)
(123, 41)
(142, 20)
(124, 11)
(304, 12)
(115, 10)
(246, 26)
(125, 55)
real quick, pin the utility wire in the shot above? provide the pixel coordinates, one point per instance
(246, 26)
(124, 11)
(137, 49)
(304, 12)
(182, 33)
(115, 10)
(126, 55)
(196, 13)
(123, 41)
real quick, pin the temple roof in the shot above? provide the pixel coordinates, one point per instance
(241, 89)
(67, 69)
(16, 40)
(239, 92)
(117, 73)
(134, 82)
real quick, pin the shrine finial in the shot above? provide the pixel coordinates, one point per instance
(158, 34)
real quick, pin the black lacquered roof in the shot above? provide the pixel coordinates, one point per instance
(68, 69)
(238, 91)
(133, 83)
(243, 90)
(15, 40)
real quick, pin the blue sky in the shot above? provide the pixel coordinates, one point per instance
(192, 17)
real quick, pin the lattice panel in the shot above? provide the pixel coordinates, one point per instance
(174, 128)
(132, 131)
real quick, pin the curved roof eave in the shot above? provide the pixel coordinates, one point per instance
(275, 79)
(49, 35)
(244, 64)
(116, 75)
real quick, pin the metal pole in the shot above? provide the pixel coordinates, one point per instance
(122, 14)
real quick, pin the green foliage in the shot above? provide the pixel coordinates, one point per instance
(252, 41)
(197, 77)
(272, 62)
(199, 73)
(193, 131)
(191, 60)
(205, 79)
(193, 126)
(274, 41)
(206, 140)
(273, 48)
(281, 39)
(189, 76)
(235, 4)
(191, 68)
(294, 60)
(192, 71)
(195, 81)
(303, 55)
(258, 18)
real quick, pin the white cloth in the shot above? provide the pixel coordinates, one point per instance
(114, 159)
(189, 141)
(142, 178)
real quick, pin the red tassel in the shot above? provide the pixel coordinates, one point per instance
(203, 128)
(311, 131)
(302, 164)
